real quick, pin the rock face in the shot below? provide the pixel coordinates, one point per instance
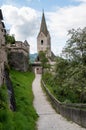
(18, 55)
(3, 53)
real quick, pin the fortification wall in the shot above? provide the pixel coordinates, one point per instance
(18, 55)
(74, 112)
(3, 61)
(18, 46)
(18, 60)
(3, 53)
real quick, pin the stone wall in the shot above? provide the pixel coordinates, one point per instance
(74, 112)
(18, 55)
(18, 61)
(46, 45)
(3, 61)
(19, 45)
(3, 53)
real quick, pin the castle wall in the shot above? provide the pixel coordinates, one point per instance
(3, 61)
(3, 53)
(18, 56)
(1, 73)
(18, 61)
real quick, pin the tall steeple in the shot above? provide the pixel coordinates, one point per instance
(43, 27)
(43, 38)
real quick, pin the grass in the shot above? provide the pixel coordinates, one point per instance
(24, 118)
(3, 97)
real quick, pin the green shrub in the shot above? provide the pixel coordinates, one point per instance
(67, 101)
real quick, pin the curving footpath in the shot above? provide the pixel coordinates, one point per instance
(48, 118)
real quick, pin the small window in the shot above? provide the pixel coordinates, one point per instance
(41, 42)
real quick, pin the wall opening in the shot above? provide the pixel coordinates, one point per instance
(42, 42)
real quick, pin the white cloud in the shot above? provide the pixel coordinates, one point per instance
(80, 0)
(63, 20)
(25, 23)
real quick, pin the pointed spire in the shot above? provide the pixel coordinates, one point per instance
(43, 27)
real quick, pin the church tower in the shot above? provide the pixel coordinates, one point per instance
(43, 39)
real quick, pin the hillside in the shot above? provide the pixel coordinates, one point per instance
(33, 57)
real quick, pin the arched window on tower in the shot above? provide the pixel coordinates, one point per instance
(42, 42)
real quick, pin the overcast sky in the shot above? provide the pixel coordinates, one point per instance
(23, 18)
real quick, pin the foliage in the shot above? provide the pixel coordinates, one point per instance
(44, 60)
(10, 39)
(5, 113)
(25, 116)
(61, 67)
(3, 97)
(76, 46)
(68, 83)
(47, 77)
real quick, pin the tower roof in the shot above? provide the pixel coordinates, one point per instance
(43, 27)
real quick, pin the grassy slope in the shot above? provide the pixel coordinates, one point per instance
(25, 116)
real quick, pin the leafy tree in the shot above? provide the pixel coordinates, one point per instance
(44, 60)
(77, 81)
(60, 70)
(76, 45)
(69, 81)
(10, 39)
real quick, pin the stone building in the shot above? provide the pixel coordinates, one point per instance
(43, 38)
(18, 55)
(43, 44)
(3, 53)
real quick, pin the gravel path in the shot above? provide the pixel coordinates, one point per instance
(48, 118)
